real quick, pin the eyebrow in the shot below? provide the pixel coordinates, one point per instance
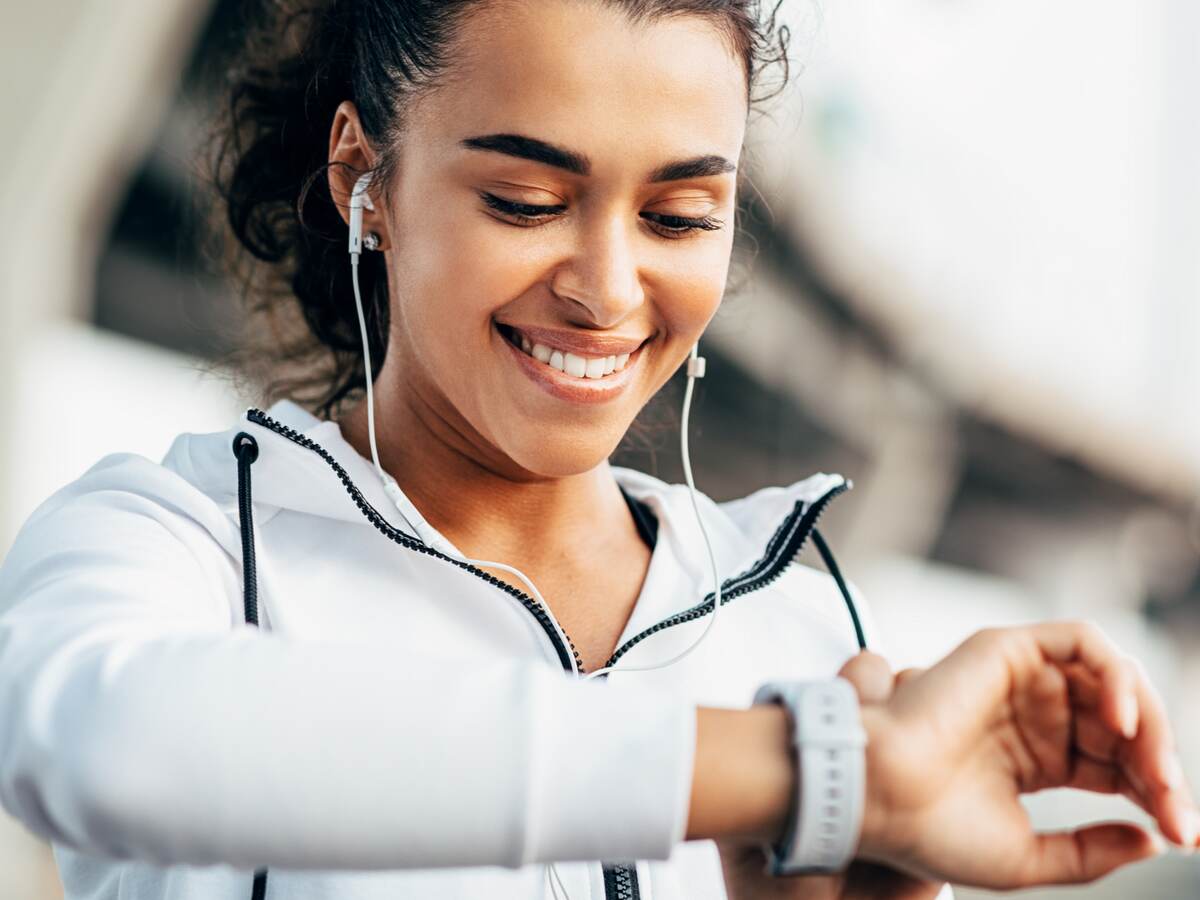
(525, 147)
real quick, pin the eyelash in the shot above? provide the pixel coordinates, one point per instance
(526, 215)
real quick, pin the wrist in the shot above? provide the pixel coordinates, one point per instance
(879, 840)
(781, 776)
(744, 775)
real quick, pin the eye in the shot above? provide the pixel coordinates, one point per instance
(670, 227)
(678, 226)
(524, 213)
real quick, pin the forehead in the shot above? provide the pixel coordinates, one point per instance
(580, 74)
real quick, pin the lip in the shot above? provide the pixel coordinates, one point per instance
(579, 343)
(568, 387)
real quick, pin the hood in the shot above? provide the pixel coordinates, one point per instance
(300, 455)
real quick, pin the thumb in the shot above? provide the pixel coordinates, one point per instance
(871, 676)
(1075, 857)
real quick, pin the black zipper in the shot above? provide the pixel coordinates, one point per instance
(783, 547)
(536, 609)
(620, 881)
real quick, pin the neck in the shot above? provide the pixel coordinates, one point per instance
(484, 504)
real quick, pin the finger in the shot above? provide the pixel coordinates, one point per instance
(1152, 753)
(871, 676)
(1106, 778)
(1069, 642)
(1096, 740)
(1177, 816)
(1043, 717)
(1149, 762)
(1077, 857)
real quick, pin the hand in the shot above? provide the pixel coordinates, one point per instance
(746, 879)
(1014, 711)
(745, 864)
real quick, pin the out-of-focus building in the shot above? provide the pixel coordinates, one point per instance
(967, 278)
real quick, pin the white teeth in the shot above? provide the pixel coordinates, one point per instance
(571, 363)
(574, 365)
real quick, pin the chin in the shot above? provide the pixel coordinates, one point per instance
(566, 452)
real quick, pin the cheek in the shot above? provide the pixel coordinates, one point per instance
(689, 288)
(467, 265)
(450, 276)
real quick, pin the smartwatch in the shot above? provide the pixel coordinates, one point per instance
(825, 821)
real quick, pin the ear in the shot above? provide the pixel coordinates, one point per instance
(350, 155)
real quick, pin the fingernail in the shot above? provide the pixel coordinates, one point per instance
(1129, 717)
(1172, 769)
(1190, 829)
(1160, 845)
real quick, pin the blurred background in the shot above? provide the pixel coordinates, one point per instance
(968, 278)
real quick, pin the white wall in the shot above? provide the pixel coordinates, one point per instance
(1027, 172)
(82, 84)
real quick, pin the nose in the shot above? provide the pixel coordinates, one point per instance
(601, 280)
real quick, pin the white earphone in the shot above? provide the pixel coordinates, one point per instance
(358, 199)
(695, 369)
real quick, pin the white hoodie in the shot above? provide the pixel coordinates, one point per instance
(400, 726)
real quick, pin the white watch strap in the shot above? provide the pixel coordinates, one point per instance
(826, 820)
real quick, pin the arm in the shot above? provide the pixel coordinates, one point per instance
(136, 722)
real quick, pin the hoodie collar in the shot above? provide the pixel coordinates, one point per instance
(290, 476)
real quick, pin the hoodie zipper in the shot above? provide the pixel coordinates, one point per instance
(620, 881)
(783, 547)
(536, 609)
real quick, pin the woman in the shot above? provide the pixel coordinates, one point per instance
(547, 230)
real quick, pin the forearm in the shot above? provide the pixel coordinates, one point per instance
(744, 774)
(135, 723)
(251, 751)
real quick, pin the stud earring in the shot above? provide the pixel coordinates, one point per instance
(371, 241)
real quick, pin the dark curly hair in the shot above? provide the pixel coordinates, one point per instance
(296, 63)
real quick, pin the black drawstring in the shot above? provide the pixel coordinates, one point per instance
(832, 566)
(245, 448)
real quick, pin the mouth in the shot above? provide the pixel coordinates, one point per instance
(573, 365)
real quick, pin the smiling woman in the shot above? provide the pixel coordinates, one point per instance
(567, 211)
(292, 644)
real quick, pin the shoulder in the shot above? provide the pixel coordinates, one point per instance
(126, 526)
(120, 485)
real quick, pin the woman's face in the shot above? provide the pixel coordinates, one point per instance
(621, 133)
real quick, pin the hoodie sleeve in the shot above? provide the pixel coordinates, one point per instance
(136, 722)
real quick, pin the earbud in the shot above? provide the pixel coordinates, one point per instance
(358, 199)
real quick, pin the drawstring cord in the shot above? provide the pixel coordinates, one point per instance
(245, 448)
(836, 572)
